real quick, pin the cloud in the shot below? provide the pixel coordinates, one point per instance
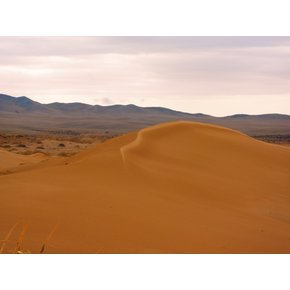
(68, 46)
(104, 101)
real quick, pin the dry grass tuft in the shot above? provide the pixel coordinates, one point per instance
(19, 243)
(7, 237)
(47, 239)
(19, 249)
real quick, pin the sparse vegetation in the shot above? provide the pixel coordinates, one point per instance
(276, 139)
(48, 143)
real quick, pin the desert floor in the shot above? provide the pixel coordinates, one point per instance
(178, 187)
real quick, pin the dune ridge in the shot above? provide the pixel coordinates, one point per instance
(154, 136)
(178, 187)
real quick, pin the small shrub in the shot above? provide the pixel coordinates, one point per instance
(39, 147)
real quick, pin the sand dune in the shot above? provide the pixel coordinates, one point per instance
(178, 187)
(12, 162)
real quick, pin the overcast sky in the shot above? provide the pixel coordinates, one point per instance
(213, 75)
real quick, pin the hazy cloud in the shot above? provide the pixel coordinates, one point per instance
(104, 101)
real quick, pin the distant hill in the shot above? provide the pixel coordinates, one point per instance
(21, 114)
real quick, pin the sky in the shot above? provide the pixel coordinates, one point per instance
(212, 75)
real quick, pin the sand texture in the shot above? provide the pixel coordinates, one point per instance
(179, 187)
(12, 162)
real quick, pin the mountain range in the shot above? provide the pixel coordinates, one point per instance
(21, 114)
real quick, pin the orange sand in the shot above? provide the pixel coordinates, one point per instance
(178, 187)
(12, 162)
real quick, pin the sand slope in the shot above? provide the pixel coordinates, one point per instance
(12, 162)
(177, 187)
